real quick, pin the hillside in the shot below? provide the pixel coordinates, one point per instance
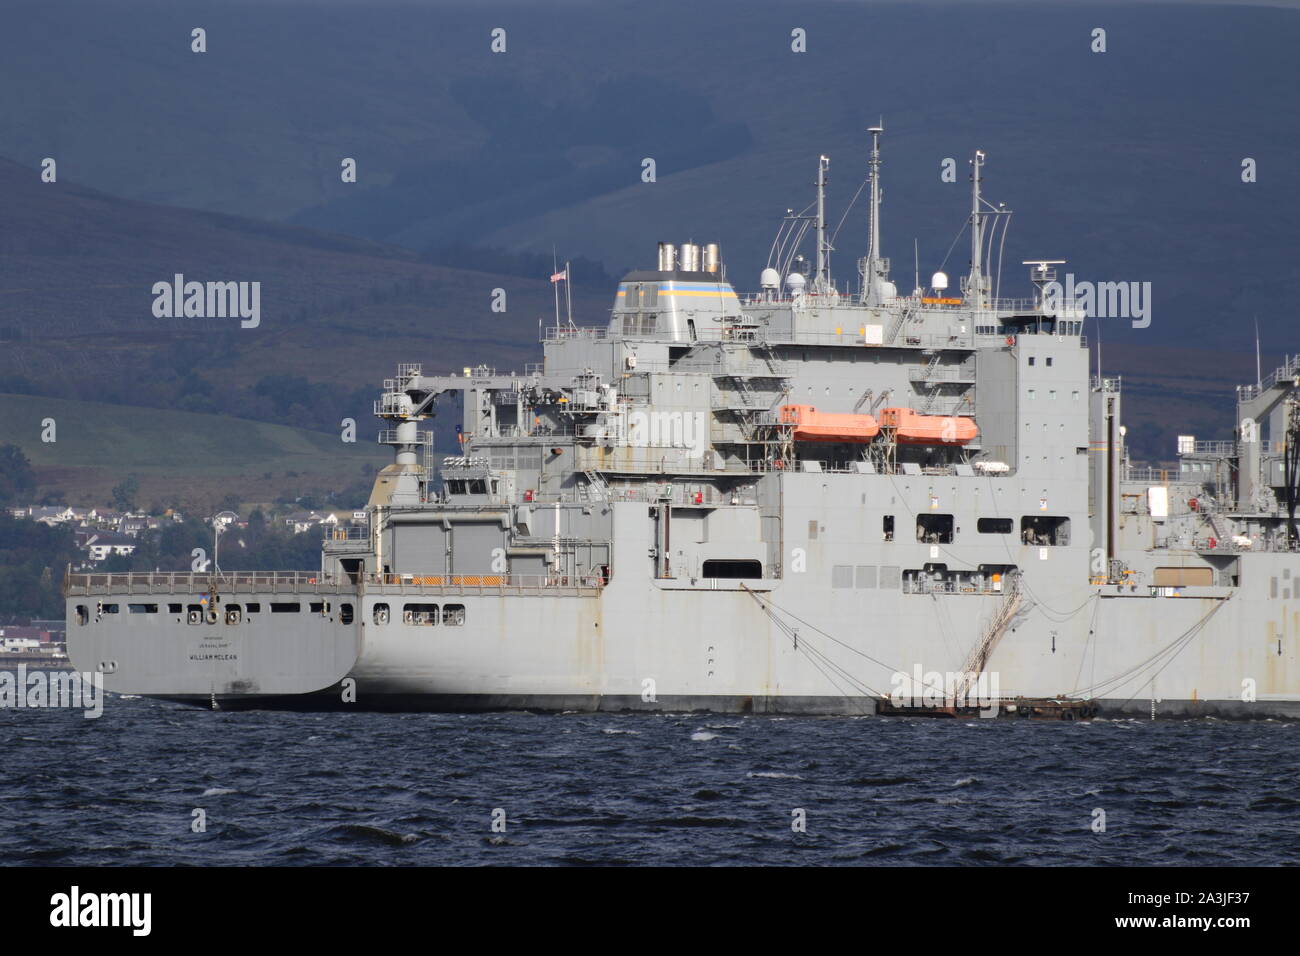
(178, 457)
(1125, 163)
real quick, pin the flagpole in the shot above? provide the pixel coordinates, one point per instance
(568, 294)
(555, 263)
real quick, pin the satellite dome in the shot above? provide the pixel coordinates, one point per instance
(939, 281)
(770, 279)
(795, 282)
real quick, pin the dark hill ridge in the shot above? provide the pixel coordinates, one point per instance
(77, 268)
(1125, 163)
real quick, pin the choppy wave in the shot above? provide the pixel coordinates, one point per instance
(588, 789)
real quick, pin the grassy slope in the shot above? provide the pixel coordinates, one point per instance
(176, 455)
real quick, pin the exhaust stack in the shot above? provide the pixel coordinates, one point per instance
(712, 258)
(690, 258)
(667, 257)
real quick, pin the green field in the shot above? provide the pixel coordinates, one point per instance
(176, 455)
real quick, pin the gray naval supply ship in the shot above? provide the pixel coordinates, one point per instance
(806, 500)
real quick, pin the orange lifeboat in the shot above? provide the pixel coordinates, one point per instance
(812, 425)
(913, 428)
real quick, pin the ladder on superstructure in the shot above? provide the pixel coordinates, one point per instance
(595, 488)
(997, 626)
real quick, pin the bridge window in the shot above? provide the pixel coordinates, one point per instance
(888, 527)
(381, 614)
(285, 607)
(345, 613)
(453, 615)
(934, 529)
(83, 614)
(142, 608)
(732, 568)
(995, 526)
(174, 609)
(1045, 530)
(253, 608)
(422, 615)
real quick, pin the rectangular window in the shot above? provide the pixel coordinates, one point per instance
(142, 608)
(285, 607)
(995, 526)
(421, 615)
(453, 615)
(254, 608)
(381, 614)
(1045, 530)
(174, 609)
(842, 576)
(732, 568)
(108, 609)
(934, 529)
(887, 526)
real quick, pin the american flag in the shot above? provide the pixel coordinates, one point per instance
(563, 274)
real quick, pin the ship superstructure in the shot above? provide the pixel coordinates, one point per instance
(769, 502)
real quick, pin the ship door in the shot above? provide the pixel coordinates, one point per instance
(352, 568)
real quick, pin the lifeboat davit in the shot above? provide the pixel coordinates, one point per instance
(812, 425)
(913, 428)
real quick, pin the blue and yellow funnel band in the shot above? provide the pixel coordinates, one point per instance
(689, 288)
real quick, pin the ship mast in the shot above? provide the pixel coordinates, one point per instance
(975, 281)
(821, 285)
(876, 267)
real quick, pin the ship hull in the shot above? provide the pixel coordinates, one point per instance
(788, 648)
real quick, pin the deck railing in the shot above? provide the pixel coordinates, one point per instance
(180, 582)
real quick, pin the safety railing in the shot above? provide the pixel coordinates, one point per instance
(198, 582)
(484, 584)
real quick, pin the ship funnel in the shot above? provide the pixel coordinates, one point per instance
(690, 258)
(667, 257)
(712, 257)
